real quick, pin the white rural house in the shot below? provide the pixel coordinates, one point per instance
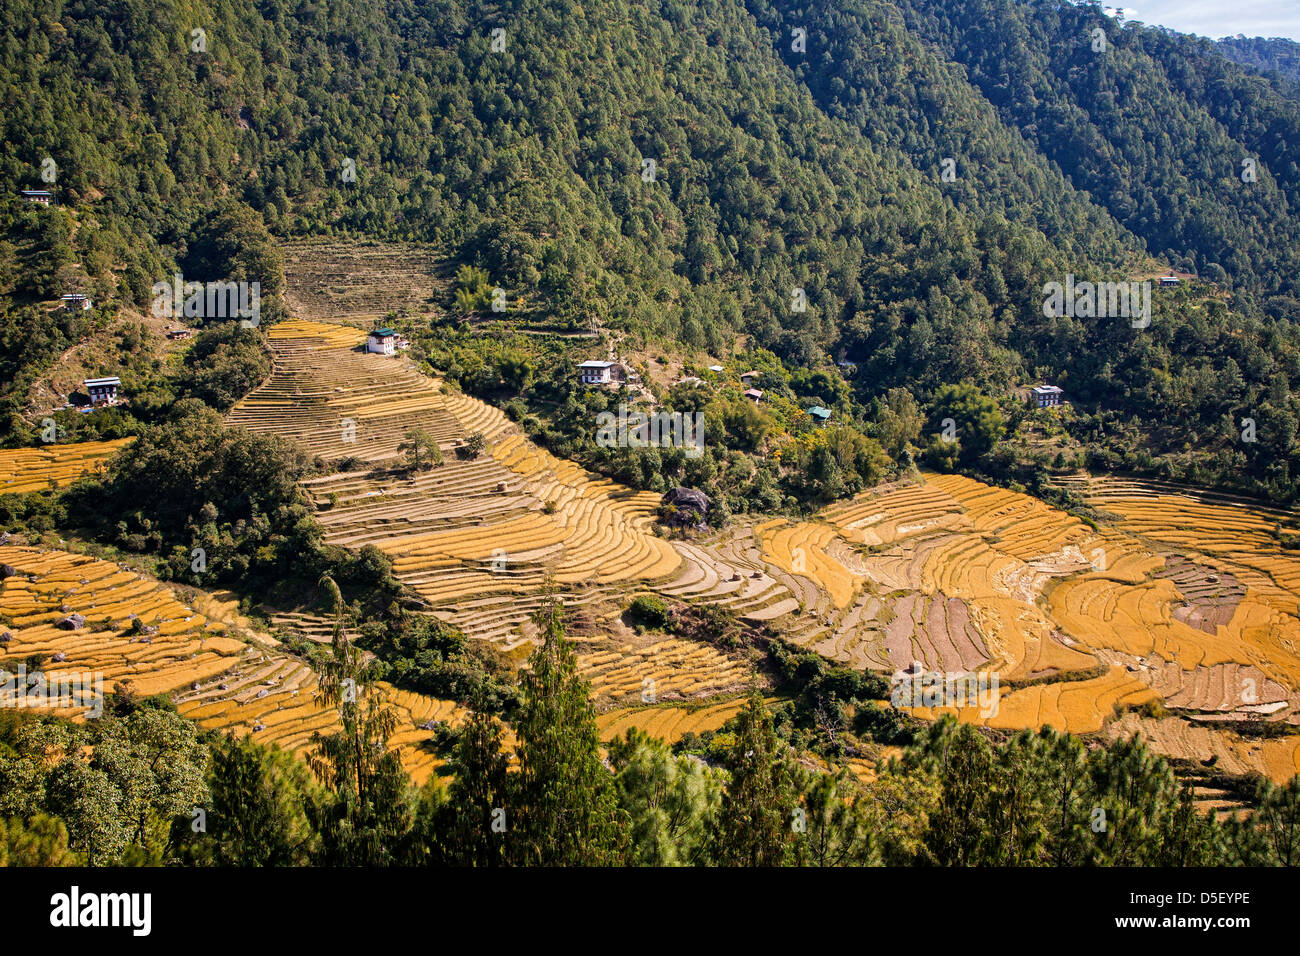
(75, 301)
(103, 391)
(382, 342)
(1047, 396)
(599, 373)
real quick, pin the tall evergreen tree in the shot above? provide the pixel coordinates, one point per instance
(371, 816)
(565, 808)
(758, 815)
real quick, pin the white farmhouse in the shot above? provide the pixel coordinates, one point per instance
(382, 342)
(599, 373)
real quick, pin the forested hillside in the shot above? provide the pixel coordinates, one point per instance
(782, 160)
(1275, 53)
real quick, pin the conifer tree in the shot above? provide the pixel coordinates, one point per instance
(756, 825)
(371, 817)
(566, 811)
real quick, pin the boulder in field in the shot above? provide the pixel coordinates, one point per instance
(683, 498)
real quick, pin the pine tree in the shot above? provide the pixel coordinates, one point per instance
(758, 812)
(372, 816)
(565, 809)
(1278, 818)
(476, 811)
(959, 827)
(40, 841)
(258, 813)
(835, 831)
(672, 802)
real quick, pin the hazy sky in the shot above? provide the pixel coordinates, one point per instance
(1220, 18)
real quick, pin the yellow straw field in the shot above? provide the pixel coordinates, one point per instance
(35, 469)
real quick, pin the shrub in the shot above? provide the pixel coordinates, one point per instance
(649, 612)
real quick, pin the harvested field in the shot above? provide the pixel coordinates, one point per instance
(1222, 691)
(669, 724)
(665, 670)
(269, 697)
(802, 549)
(1179, 739)
(216, 678)
(37, 469)
(478, 540)
(175, 646)
(340, 402)
(936, 631)
(1077, 707)
(1210, 598)
(1182, 599)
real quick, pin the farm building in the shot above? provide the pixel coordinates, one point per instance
(753, 394)
(749, 376)
(103, 391)
(820, 415)
(600, 373)
(1047, 396)
(382, 342)
(176, 334)
(39, 197)
(691, 380)
(1169, 280)
(716, 368)
(75, 301)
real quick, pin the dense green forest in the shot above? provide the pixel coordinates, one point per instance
(1273, 54)
(782, 161)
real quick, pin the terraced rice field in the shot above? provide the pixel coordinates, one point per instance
(1275, 757)
(803, 549)
(339, 401)
(479, 540)
(23, 470)
(226, 682)
(1183, 601)
(180, 647)
(269, 697)
(1078, 707)
(1188, 601)
(358, 281)
(669, 723)
(668, 669)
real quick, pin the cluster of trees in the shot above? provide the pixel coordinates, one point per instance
(215, 504)
(420, 653)
(1044, 799)
(1273, 54)
(204, 504)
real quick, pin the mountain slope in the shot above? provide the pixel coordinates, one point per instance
(527, 153)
